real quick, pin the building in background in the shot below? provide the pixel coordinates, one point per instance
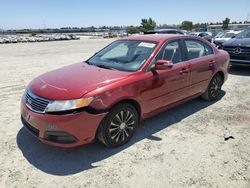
(218, 28)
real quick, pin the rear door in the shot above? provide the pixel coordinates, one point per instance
(201, 59)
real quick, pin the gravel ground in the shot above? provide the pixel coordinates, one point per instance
(182, 147)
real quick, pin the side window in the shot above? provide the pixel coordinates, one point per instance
(171, 52)
(208, 50)
(195, 49)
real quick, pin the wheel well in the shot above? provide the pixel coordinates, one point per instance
(132, 102)
(221, 74)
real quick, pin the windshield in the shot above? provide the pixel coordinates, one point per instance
(228, 35)
(220, 34)
(123, 55)
(244, 34)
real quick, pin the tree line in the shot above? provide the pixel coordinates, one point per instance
(150, 24)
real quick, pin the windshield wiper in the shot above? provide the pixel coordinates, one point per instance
(104, 67)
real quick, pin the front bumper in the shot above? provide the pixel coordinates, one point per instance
(74, 129)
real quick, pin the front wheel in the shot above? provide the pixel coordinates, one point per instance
(119, 125)
(214, 88)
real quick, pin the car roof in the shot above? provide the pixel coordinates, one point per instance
(153, 37)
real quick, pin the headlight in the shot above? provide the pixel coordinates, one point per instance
(64, 105)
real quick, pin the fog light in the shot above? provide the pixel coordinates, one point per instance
(59, 137)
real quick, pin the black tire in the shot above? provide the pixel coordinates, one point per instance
(214, 88)
(119, 125)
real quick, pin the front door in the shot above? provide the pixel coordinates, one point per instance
(167, 86)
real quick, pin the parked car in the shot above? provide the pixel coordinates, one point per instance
(218, 41)
(206, 35)
(165, 31)
(239, 48)
(131, 79)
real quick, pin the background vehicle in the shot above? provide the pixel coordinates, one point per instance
(219, 40)
(206, 35)
(239, 48)
(165, 31)
(129, 80)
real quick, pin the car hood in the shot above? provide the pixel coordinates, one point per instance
(221, 39)
(238, 42)
(74, 81)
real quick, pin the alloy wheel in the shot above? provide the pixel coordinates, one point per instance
(122, 126)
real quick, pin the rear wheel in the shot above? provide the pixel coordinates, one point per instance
(214, 89)
(119, 125)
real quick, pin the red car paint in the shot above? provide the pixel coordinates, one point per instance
(152, 91)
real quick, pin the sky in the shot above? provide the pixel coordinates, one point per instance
(19, 14)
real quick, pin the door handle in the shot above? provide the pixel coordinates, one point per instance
(184, 70)
(211, 65)
(212, 61)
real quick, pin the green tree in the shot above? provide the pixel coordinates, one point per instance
(132, 30)
(147, 24)
(187, 25)
(225, 23)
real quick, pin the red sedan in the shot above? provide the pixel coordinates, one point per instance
(131, 79)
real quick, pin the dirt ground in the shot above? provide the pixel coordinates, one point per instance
(182, 147)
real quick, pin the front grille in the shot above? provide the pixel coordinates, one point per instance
(36, 103)
(241, 57)
(32, 129)
(239, 50)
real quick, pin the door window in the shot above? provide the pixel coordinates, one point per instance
(171, 52)
(197, 49)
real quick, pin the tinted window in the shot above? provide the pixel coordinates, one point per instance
(197, 49)
(171, 52)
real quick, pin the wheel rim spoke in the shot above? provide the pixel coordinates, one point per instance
(114, 124)
(115, 134)
(123, 135)
(131, 123)
(113, 129)
(129, 116)
(126, 133)
(118, 118)
(118, 136)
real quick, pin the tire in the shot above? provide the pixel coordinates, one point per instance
(118, 126)
(214, 88)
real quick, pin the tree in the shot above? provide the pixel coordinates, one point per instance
(187, 25)
(225, 23)
(132, 30)
(147, 24)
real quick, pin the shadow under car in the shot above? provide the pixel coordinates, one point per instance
(62, 162)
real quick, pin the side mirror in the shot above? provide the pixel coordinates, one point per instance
(163, 64)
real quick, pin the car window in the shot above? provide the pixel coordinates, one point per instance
(120, 50)
(208, 50)
(171, 52)
(197, 49)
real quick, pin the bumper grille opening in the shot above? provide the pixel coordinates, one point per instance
(31, 129)
(59, 137)
(36, 103)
